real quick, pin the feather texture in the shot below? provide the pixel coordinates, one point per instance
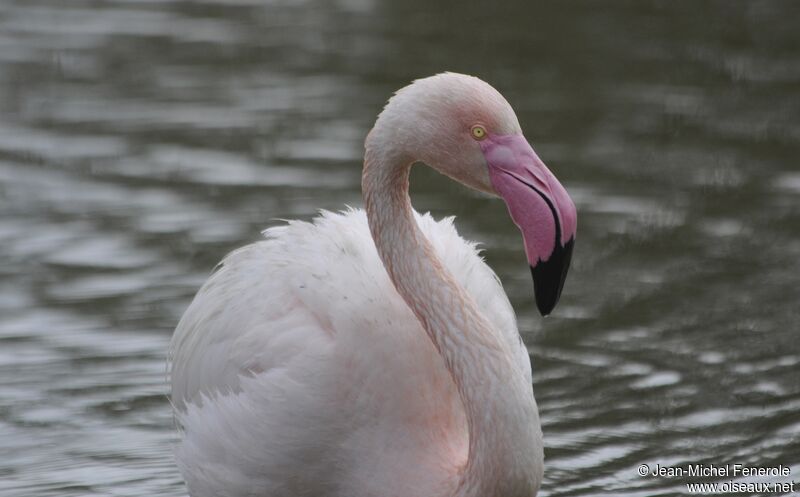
(303, 339)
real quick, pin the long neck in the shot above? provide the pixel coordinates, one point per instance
(505, 445)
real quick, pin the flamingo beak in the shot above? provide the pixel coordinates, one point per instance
(540, 207)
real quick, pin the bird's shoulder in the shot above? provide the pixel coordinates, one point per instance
(295, 291)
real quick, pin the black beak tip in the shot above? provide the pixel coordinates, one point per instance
(549, 277)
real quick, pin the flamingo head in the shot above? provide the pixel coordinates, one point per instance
(465, 129)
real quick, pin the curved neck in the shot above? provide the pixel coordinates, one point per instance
(505, 445)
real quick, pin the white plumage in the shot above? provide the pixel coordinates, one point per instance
(298, 357)
(373, 353)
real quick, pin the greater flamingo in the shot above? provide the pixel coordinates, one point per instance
(373, 353)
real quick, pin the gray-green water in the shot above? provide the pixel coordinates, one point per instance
(142, 140)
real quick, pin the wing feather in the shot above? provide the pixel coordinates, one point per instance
(271, 301)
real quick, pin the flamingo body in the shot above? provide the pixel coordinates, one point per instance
(303, 338)
(373, 353)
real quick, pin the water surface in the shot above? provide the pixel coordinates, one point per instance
(142, 140)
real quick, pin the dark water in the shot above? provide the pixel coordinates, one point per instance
(142, 140)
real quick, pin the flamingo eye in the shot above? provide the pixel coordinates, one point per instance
(478, 132)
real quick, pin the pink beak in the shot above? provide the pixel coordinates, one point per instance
(540, 207)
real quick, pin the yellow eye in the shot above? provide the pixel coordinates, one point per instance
(478, 132)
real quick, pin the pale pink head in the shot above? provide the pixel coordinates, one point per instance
(464, 128)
